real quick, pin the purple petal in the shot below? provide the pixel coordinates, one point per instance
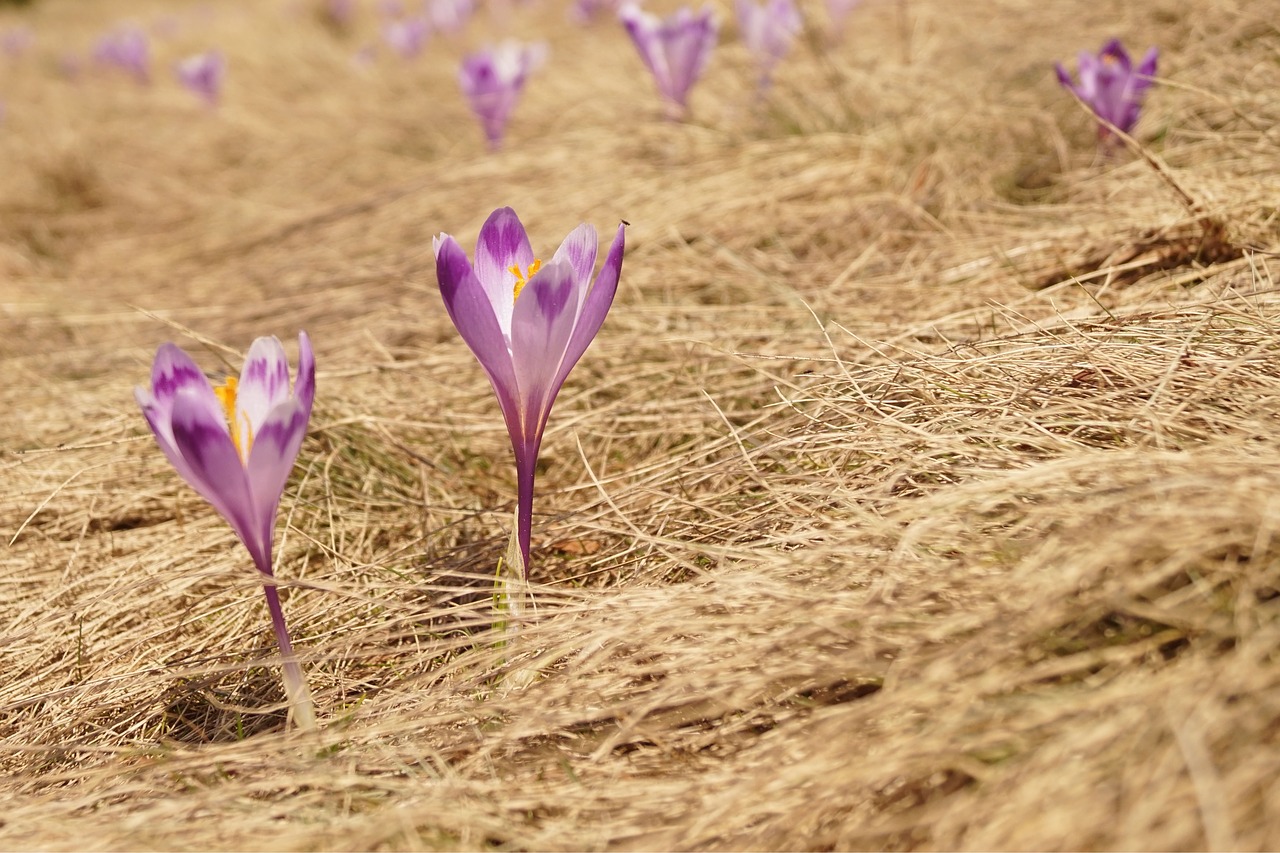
(304, 387)
(1147, 68)
(1116, 51)
(172, 372)
(501, 245)
(275, 448)
(579, 250)
(264, 383)
(594, 309)
(200, 435)
(472, 314)
(540, 331)
(1064, 77)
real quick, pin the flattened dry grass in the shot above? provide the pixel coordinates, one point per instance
(921, 491)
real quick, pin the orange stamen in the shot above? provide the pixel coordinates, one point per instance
(523, 278)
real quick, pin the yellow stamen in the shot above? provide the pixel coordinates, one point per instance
(226, 394)
(523, 278)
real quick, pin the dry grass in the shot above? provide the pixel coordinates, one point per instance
(922, 491)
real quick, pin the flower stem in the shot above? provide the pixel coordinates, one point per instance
(301, 708)
(525, 469)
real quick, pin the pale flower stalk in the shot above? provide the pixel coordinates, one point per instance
(236, 445)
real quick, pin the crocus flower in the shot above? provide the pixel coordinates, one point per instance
(585, 11)
(1111, 86)
(492, 80)
(527, 323)
(768, 29)
(235, 445)
(202, 74)
(675, 49)
(126, 49)
(449, 16)
(407, 36)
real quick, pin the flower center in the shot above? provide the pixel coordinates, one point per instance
(523, 278)
(227, 396)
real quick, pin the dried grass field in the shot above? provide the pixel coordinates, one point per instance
(921, 491)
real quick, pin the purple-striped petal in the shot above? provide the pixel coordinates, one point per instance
(275, 448)
(501, 245)
(540, 331)
(304, 386)
(579, 250)
(264, 383)
(200, 435)
(594, 308)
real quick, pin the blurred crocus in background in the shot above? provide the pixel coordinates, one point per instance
(586, 11)
(449, 16)
(527, 323)
(125, 49)
(675, 49)
(236, 445)
(768, 30)
(407, 36)
(493, 78)
(1111, 86)
(17, 41)
(203, 74)
(838, 12)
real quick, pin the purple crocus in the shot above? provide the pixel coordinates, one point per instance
(126, 49)
(203, 74)
(768, 29)
(407, 36)
(493, 78)
(236, 445)
(1111, 86)
(449, 16)
(528, 323)
(676, 49)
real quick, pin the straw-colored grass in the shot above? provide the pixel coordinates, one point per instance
(922, 489)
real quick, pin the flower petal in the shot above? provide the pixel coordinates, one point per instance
(200, 435)
(472, 314)
(275, 448)
(172, 372)
(540, 331)
(501, 245)
(304, 386)
(594, 308)
(264, 382)
(579, 250)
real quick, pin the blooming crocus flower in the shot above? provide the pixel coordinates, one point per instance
(492, 80)
(449, 16)
(407, 37)
(235, 445)
(202, 74)
(126, 49)
(675, 49)
(768, 29)
(527, 323)
(1111, 86)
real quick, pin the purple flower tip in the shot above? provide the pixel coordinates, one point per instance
(203, 74)
(768, 29)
